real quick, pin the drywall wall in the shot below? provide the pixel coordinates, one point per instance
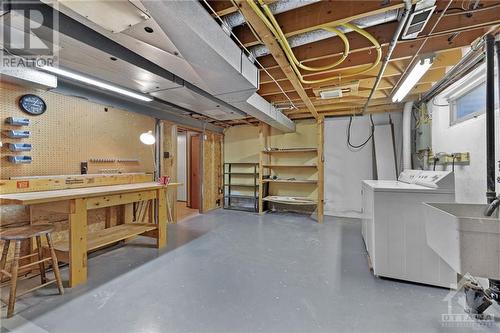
(241, 144)
(181, 165)
(467, 136)
(305, 135)
(345, 167)
(73, 130)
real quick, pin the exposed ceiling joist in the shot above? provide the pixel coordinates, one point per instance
(319, 14)
(332, 48)
(222, 7)
(352, 110)
(280, 57)
(434, 75)
(402, 51)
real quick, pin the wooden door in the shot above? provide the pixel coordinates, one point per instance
(195, 172)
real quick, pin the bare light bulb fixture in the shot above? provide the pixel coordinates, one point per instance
(147, 138)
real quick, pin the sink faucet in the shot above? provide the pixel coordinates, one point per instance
(492, 207)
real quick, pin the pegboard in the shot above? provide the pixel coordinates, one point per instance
(73, 130)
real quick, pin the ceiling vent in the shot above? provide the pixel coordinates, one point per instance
(337, 91)
(416, 22)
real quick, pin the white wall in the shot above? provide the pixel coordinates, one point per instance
(345, 168)
(182, 166)
(467, 136)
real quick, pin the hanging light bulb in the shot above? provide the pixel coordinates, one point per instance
(148, 138)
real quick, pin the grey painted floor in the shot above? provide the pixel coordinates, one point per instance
(230, 271)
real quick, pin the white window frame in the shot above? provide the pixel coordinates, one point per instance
(462, 87)
(453, 105)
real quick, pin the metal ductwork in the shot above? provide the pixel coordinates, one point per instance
(257, 107)
(235, 19)
(234, 80)
(28, 76)
(224, 68)
(320, 34)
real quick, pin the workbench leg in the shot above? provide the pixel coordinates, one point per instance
(162, 218)
(78, 242)
(173, 207)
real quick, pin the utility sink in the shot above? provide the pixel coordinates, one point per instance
(463, 237)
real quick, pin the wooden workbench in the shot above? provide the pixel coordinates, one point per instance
(77, 201)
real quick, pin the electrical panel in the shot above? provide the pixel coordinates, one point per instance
(423, 137)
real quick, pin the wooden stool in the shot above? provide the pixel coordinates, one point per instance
(27, 233)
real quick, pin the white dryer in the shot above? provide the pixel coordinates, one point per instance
(394, 226)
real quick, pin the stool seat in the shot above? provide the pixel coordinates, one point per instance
(26, 232)
(16, 236)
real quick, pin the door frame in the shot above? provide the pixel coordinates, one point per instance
(189, 132)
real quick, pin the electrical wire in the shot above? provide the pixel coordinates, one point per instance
(277, 32)
(286, 46)
(366, 141)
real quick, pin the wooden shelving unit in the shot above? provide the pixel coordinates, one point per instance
(289, 172)
(276, 166)
(298, 181)
(242, 177)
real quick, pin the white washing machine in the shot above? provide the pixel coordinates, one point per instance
(394, 226)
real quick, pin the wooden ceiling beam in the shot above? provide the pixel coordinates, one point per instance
(267, 37)
(222, 7)
(332, 48)
(313, 16)
(390, 71)
(343, 106)
(404, 50)
(349, 101)
(350, 112)
(433, 75)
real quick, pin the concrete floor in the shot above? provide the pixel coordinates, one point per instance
(230, 271)
(184, 212)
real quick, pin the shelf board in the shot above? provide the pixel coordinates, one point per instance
(297, 201)
(298, 150)
(242, 185)
(241, 173)
(101, 238)
(241, 208)
(240, 196)
(288, 166)
(241, 163)
(297, 181)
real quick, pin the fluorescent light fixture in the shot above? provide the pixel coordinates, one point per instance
(412, 78)
(97, 83)
(147, 138)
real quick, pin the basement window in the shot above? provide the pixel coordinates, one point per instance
(468, 105)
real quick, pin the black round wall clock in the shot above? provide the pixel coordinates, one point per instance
(32, 104)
